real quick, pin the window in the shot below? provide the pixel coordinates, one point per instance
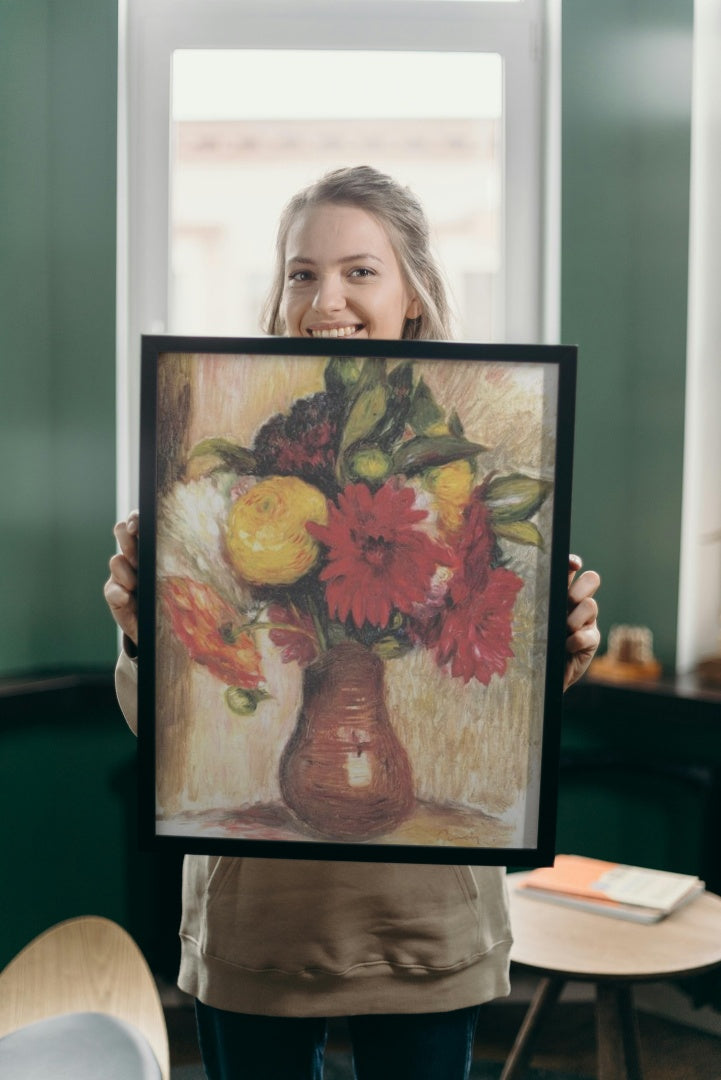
(228, 105)
(236, 159)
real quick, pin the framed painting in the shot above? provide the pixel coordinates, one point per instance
(352, 597)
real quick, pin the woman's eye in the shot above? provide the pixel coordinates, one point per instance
(300, 276)
(362, 272)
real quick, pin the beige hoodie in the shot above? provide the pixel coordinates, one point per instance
(283, 937)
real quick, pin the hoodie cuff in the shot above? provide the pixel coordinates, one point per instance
(130, 648)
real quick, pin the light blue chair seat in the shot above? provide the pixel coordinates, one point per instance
(78, 1046)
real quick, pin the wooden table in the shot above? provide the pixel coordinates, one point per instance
(563, 944)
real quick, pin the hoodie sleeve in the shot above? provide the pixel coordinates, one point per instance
(126, 688)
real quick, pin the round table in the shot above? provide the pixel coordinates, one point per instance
(562, 944)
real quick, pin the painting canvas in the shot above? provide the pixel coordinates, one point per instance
(353, 572)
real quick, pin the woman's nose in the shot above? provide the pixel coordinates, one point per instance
(329, 296)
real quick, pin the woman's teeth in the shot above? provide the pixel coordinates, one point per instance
(337, 331)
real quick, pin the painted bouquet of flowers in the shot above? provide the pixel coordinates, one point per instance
(361, 514)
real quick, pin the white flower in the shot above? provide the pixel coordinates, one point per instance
(192, 521)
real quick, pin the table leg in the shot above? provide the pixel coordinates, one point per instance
(617, 1033)
(545, 997)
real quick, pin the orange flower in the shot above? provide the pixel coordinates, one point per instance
(208, 629)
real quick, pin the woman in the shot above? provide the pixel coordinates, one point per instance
(271, 948)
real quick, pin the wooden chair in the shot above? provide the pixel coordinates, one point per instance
(82, 974)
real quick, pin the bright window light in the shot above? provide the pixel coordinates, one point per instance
(220, 84)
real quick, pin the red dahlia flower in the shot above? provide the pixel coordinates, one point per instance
(377, 560)
(207, 626)
(474, 636)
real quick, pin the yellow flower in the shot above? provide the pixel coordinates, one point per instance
(267, 539)
(451, 485)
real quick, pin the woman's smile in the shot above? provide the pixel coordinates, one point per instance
(335, 331)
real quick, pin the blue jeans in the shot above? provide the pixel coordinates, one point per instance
(414, 1046)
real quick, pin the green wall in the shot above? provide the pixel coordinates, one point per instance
(58, 74)
(626, 145)
(68, 800)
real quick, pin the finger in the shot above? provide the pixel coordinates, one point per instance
(585, 585)
(584, 613)
(126, 534)
(123, 573)
(575, 563)
(576, 666)
(118, 598)
(123, 608)
(584, 641)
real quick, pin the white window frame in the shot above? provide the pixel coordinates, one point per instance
(526, 34)
(699, 598)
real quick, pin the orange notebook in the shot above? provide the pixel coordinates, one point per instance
(631, 892)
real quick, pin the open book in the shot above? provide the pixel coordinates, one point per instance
(608, 888)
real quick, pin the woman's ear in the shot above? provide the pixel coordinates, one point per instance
(415, 309)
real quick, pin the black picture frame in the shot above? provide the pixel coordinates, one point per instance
(220, 419)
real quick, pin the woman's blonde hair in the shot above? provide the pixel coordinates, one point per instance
(403, 217)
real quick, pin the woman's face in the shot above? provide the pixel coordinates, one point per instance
(342, 277)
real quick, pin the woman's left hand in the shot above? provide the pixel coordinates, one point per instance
(582, 634)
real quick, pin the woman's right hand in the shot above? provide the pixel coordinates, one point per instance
(121, 587)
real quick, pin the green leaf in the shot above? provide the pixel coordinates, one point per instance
(426, 452)
(424, 412)
(393, 424)
(336, 634)
(454, 424)
(390, 648)
(372, 373)
(368, 408)
(232, 455)
(341, 374)
(515, 497)
(520, 532)
(378, 408)
(244, 702)
(401, 377)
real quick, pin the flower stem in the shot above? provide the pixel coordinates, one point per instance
(317, 623)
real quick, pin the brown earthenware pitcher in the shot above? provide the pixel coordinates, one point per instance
(344, 772)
